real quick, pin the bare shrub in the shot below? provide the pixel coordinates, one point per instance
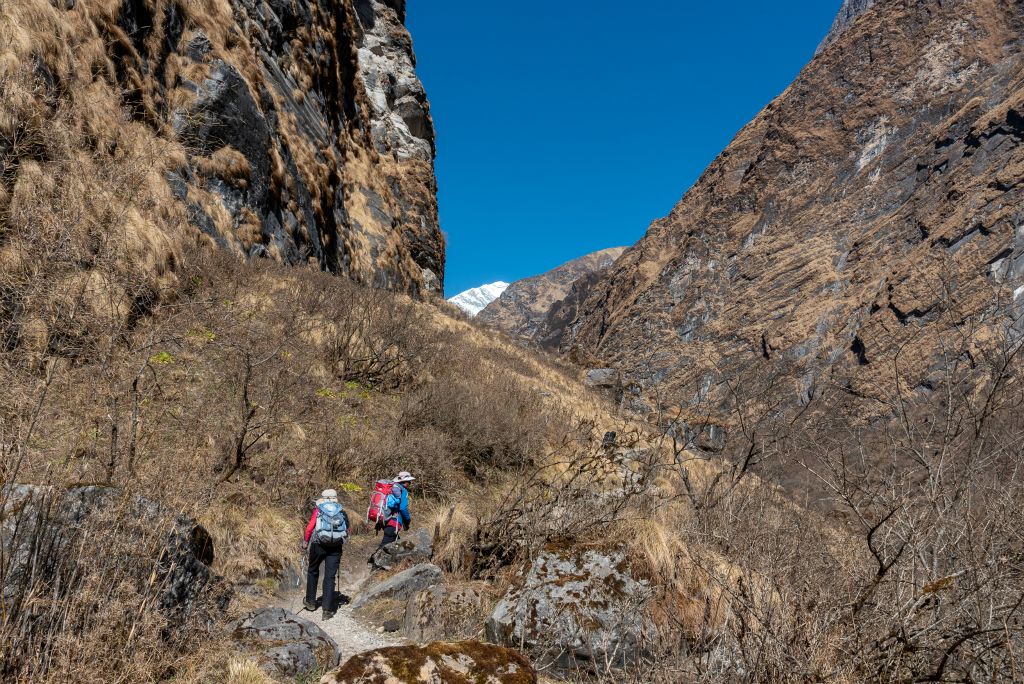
(904, 561)
(490, 418)
(375, 338)
(573, 494)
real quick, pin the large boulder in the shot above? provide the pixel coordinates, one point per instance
(401, 586)
(574, 609)
(287, 645)
(443, 613)
(464, 662)
(415, 546)
(41, 529)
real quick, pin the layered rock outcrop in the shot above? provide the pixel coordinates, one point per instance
(537, 308)
(296, 131)
(874, 208)
(41, 533)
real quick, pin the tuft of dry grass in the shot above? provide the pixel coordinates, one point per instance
(455, 529)
(228, 164)
(242, 671)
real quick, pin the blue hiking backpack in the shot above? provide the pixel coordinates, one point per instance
(331, 523)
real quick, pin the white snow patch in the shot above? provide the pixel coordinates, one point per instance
(474, 300)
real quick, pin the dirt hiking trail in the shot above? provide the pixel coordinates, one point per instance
(352, 634)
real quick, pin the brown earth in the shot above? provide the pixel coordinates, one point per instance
(859, 228)
(531, 308)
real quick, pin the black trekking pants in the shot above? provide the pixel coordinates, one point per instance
(390, 536)
(330, 556)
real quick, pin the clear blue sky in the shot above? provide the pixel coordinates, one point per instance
(567, 126)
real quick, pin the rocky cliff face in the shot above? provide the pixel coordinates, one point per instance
(867, 217)
(849, 11)
(291, 130)
(535, 308)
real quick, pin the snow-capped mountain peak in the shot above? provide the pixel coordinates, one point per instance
(473, 300)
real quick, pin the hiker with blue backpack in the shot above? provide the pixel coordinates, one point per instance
(325, 536)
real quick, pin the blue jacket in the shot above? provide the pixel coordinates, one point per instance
(398, 502)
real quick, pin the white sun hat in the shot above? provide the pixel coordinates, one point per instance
(329, 494)
(404, 476)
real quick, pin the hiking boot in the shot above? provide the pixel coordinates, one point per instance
(328, 614)
(309, 605)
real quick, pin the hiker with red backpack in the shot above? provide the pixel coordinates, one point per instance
(325, 536)
(389, 506)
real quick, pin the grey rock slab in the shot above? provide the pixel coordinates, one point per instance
(606, 378)
(439, 613)
(403, 585)
(290, 645)
(712, 438)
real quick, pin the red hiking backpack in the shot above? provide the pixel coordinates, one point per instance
(378, 511)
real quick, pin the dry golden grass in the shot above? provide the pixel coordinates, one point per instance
(246, 672)
(253, 540)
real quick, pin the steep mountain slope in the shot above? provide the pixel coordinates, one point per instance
(523, 309)
(867, 224)
(848, 13)
(291, 130)
(475, 299)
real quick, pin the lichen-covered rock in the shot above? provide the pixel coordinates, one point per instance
(401, 586)
(464, 662)
(288, 645)
(443, 613)
(415, 546)
(574, 609)
(41, 529)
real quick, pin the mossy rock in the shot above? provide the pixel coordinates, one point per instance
(461, 662)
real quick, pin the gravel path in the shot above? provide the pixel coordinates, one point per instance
(352, 634)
